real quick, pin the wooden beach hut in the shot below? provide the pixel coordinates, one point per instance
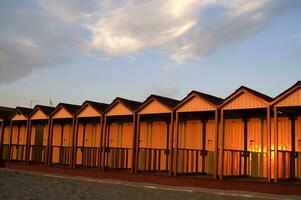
(88, 132)
(61, 134)
(18, 134)
(286, 140)
(118, 134)
(5, 114)
(154, 138)
(39, 125)
(196, 131)
(245, 135)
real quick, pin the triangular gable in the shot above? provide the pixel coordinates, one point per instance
(18, 117)
(118, 109)
(88, 111)
(194, 104)
(38, 114)
(61, 113)
(244, 100)
(154, 107)
(291, 98)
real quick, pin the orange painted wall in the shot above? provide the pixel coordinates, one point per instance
(120, 136)
(153, 135)
(92, 139)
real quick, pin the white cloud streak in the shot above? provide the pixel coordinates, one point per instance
(46, 33)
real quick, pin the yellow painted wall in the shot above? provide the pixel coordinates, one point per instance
(38, 115)
(293, 99)
(119, 109)
(196, 104)
(245, 101)
(154, 107)
(88, 111)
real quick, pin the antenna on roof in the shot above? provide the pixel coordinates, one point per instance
(50, 102)
(32, 102)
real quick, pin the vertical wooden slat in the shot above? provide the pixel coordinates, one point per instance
(171, 132)
(137, 143)
(2, 135)
(104, 132)
(292, 155)
(72, 142)
(134, 132)
(276, 144)
(10, 138)
(75, 139)
(49, 142)
(216, 145)
(176, 143)
(99, 164)
(28, 138)
(245, 121)
(269, 143)
(221, 149)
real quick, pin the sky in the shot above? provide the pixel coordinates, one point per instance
(72, 50)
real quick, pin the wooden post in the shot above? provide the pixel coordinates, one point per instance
(73, 147)
(2, 135)
(50, 142)
(269, 143)
(176, 144)
(134, 144)
(216, 145)
(100, 143)
(245, 122)
(221, 151)
(75, 141)
(10, 138)
(28, 140)
(276, 144)
(293, 152)
(171, 132)
(137, 143)
(104, 132)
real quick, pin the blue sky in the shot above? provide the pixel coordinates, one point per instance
(76, 51)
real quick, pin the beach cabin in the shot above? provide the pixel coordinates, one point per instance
(286, 140)
(155, 134)
(118, 134)
(88, 132)
(196, 131)
(39, 124)
(245, 135)
(5, 114)
(18, 134)
(61, 134)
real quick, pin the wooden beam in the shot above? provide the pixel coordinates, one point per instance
(137, 143)
(75, 139)
(2, 135)
(216, 146)
(100, 143)
(134, 132)
(221, 150)
(48, 138)
(10, 138)
(104, 143)
(72, 143)
(28, 140)
(176, 144)
(276, 144)
(269, 143)
(50, 142)
(171, 132)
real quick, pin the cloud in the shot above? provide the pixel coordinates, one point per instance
(48, 33)
(174, 26)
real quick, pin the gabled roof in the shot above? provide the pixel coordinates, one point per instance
(260, 95)
(23, 111)
(47, 110)
(130, 104)
(99, 107)
(6, 112)
(168, 102)
(71, 108)
(209, 98)
(287, 91)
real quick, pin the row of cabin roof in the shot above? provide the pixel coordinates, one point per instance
(135, 106)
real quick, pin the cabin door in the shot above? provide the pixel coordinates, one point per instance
(38, 143)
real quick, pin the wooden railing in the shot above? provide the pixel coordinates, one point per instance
(63, 153)
(89, 156)
(17, 152)
(37, 153)
(5, 152)
(118, 157)
(195, 161)
(153, 159)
